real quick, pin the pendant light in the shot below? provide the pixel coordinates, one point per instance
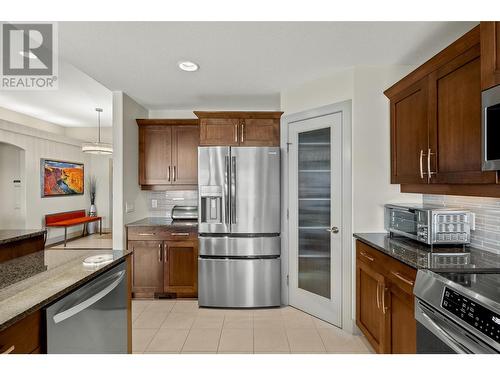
(98, 147)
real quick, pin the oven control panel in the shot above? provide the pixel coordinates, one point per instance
(474, 314)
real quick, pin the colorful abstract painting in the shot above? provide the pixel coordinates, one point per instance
(61, 178)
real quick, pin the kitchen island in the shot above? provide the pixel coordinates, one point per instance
(18, 242)
(30, 283)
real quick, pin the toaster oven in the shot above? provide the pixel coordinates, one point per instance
(430, 224)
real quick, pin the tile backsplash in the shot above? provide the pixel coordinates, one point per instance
(487, 210)
(161, 202)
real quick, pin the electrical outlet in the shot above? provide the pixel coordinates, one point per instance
(154, 203)
(129, 207)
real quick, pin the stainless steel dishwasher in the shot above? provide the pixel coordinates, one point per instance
(92, 319)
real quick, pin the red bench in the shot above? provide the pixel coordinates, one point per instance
(70, 219)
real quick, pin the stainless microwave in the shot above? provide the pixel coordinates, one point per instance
(430, 224)
(491, 129)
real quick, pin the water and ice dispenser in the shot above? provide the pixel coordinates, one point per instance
(211, 201)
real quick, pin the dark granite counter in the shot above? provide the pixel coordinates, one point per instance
(12, 235)
(419, 255)
(33, 281)
(163, 221)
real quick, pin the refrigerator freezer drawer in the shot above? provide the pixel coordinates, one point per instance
(239, 246)
(239, 282)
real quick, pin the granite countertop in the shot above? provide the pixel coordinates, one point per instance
(33, 281)
(11, 235)
(421, 256)
(163, 221)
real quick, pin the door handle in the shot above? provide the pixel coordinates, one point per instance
(226, 189)
(233, 189)
(66, 314)
(378, 295)
(384, 307)
(242, 131)
(160, 253)
(169, 172)
(333, 230)
(422, 173)
(145, 234)
(179, 234)
(429, 173)
(236, 133)
(175, 173)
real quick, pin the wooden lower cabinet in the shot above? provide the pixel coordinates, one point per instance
(167, 268)
(24, 337)
(385, 301)
(147, 268)
(181, 268)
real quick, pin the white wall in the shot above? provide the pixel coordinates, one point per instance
(39, 144)
(12, 199)
(126, 189)
(19, 118)
(165, 113)
(370, 132)
(89, 134)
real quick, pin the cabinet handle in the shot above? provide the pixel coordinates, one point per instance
(159, 253)
(429, 173)
(180, 234)
(364, 255)
(378, 295)
(236, 133)
(402, 278)
(9, 350)
(165, 258)
(384, 307)
(175, 173)
(421, 164)
(242, 131)
(145, 234)
(169, 172)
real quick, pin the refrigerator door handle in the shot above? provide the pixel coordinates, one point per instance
(233, 190)
(227, 173)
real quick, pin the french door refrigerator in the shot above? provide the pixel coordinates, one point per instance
(239, 226)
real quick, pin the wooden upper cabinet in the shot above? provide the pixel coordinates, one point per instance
(455, 128)
(155, 155)
(239, 128)
(219, 132)
(490, 54)
(168, 153)
(436, 122)
(409, 133)
(185, 141)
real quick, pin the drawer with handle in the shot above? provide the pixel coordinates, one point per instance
(24, 337)
(148, 233)
(369, 255)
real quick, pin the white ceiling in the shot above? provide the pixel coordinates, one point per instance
(243, 65)
(71, 105)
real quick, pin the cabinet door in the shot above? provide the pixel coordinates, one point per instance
(155, 155)
(455, 130)
(403, 326)
(409, 133)
(185, 141)
(490, 54)
(260, 132)
(147, 268)
(370, 315)
(219, 132)
(181, 268)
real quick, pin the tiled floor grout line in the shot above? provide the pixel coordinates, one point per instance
(220, 333)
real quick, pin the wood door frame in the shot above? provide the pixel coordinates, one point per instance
(348, 264)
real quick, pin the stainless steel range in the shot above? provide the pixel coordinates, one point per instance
(239, 226)
(458, 311)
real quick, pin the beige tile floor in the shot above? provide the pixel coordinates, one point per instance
(92, 241)
(180, 326)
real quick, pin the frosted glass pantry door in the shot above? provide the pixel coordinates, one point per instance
(315, 216)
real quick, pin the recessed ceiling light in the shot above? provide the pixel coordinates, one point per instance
(30, 54)
(188, 66)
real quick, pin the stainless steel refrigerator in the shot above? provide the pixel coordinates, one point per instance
(239, 226)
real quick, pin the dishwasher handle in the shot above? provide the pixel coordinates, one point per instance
(66, 314)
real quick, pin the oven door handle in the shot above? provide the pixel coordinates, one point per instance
(437, 330)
